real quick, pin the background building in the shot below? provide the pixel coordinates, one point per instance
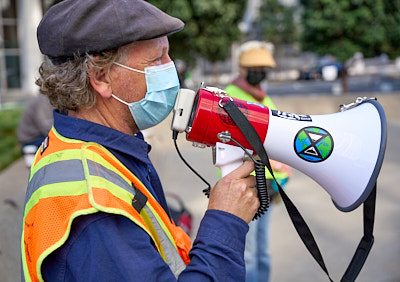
(19, 52)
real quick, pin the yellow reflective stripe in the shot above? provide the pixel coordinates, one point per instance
(62, 240)
(72, 188)
(164, 228)
(97, 169)
(145, 215)
(100, 181)
(120, 212)
(168, 249)
(117, 191)
(27, 277)
(109, 167)
(64, 139)
(95, 157)
(57, 172)
(58, 156)
(99, 159)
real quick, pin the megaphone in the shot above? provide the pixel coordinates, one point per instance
(343, 152)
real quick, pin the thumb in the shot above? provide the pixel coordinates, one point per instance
(242, 171)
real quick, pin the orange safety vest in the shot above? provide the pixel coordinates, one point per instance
(70, 178)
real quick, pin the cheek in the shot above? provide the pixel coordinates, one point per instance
(131, 88)
(141, 88)
(243, 72)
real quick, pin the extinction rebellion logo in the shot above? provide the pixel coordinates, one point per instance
(223, 115)
(313, 144)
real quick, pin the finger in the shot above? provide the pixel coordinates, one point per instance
(250, 181)
(245, 185)
(243, 171)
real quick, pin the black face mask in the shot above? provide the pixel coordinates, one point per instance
(255, 77)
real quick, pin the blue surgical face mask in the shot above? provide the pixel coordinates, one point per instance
(162, 88)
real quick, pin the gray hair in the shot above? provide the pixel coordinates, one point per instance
(67, 85)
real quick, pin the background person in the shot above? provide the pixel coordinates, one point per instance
(34, 125)
(95, 208)
(255, 58)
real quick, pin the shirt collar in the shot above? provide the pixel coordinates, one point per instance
(75, 128)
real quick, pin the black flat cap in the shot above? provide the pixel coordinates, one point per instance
(76, 27)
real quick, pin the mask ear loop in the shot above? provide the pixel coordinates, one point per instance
(122, 101)
(129, 68)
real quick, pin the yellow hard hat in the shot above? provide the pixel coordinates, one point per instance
(256, 54)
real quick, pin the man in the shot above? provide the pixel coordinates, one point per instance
(95, 209)
(35, 123)
(255, 57)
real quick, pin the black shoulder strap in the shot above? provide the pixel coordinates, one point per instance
(365, 245)
(299, 223)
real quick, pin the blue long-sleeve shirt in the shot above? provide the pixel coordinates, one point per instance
(108, 247)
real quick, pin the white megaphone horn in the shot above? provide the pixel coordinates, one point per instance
(343, 152)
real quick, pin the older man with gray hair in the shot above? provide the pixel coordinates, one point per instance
(95, 208)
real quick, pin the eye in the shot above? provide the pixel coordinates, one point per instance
(156, 61)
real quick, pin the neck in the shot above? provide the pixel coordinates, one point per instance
(108, 113)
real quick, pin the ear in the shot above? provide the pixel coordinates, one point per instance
(101, 82)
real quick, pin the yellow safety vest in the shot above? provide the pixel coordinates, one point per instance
(71, 178)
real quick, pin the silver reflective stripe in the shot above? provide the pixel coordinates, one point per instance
(97, 169)
(57, 172)
(174, 260)
(72, 170)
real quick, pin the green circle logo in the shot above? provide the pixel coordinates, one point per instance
(313, 144)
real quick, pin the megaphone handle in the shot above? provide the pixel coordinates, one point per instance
(227, 157)
(226, 169)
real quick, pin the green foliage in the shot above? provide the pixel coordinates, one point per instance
(10, 149)
(343, 27)
(276, 23)
(211, 26)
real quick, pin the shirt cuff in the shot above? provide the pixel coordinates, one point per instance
(225, 228)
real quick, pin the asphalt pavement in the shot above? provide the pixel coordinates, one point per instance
(336, 233)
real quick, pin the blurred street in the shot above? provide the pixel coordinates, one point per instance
(356, 84)
(336, 233)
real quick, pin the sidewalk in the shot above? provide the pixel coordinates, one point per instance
(12, 195)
